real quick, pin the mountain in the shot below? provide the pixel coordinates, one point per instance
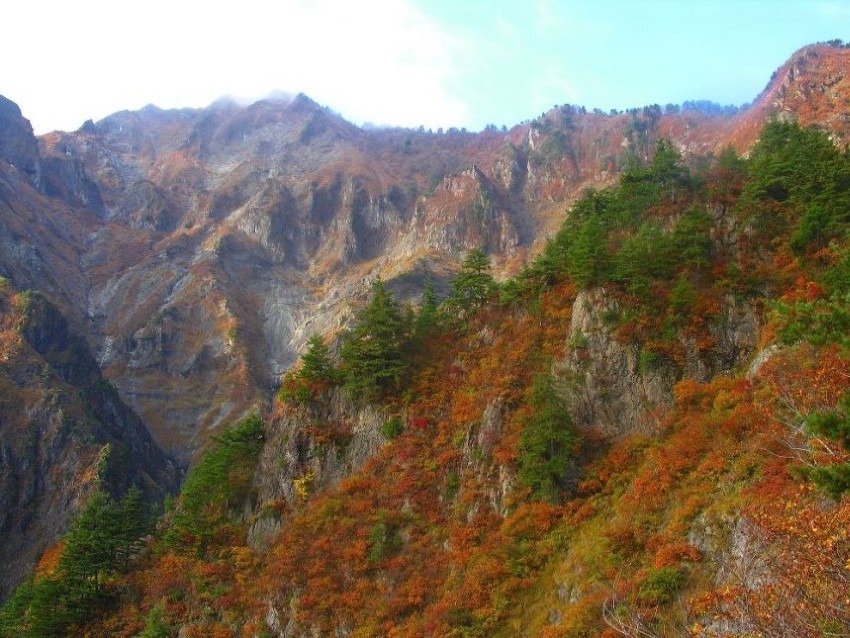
(193, 252)
(222, 237)
(65, 429)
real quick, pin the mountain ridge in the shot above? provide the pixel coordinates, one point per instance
(196, 250)
(320, 198)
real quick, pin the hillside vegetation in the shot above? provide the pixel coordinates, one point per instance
(644, 433)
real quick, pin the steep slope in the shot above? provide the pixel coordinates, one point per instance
(227, 235)
(196, 250)
(63, 429)
(645, 433)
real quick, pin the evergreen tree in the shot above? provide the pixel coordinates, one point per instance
(587, 260)
(729, 160)
(216, 487)
(90, 547)
(473, 286)
(317, 371)
(638, 190)
(427, 317)
(667, 171)
(95, 549)
(799, 179)
(547, 443)
(316, 362)
(13, 613)
(132, 524)
(691, 238)
(372, 354)
(50, 609)
(833, 479)
(644, 256)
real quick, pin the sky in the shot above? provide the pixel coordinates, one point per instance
(434, 63)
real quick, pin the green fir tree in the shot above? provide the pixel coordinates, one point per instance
(373, 361)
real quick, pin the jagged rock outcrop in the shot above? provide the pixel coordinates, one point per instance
(478, 465)
(310, 448)
(617, 386)
(18, 145)
(276, 214)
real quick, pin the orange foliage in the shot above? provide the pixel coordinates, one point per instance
(49, 560)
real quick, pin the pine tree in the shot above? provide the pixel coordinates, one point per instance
(547, 443)
(833, 479)
(427, 317)
(372, 355)
(13, 612)
(473, 286)
(131, 525)
(95, 549)
(316, 373)
(90, 546)
(216, 488)
(316, 362)
(587, 260)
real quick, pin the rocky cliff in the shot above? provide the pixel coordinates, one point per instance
(64, 429)
(210, 243)
(194, 251)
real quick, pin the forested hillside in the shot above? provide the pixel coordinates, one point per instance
(643, 433)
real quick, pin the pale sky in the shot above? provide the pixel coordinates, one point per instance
(437, 63)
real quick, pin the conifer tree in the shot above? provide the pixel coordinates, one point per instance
(216, 487)
(547, 443)
(317, 371)
(426, 318)
(95, 549)
(372, 354)
(473, 286)
(90, 546)
(833, 479)
(131, 525)
(587, 260)
(316, 362)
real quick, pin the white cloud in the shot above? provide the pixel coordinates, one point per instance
(378, 60)
(552, 87)
(834, 9)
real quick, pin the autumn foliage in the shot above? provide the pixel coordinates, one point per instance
(490, 510)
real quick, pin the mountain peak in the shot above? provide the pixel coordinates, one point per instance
(304, 101)
(18, 145)
(813, 85)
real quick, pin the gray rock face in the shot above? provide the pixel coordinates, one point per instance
(18, 145)
(602, 377)
(616, 387)
(65, 178)
(214, 241)
(310, 449)
(743, 558)
(478, 464)
(61, 426)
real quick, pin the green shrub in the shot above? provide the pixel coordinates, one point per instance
(392, 428)
(156, 625)
(661, 586)
(384, 541)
